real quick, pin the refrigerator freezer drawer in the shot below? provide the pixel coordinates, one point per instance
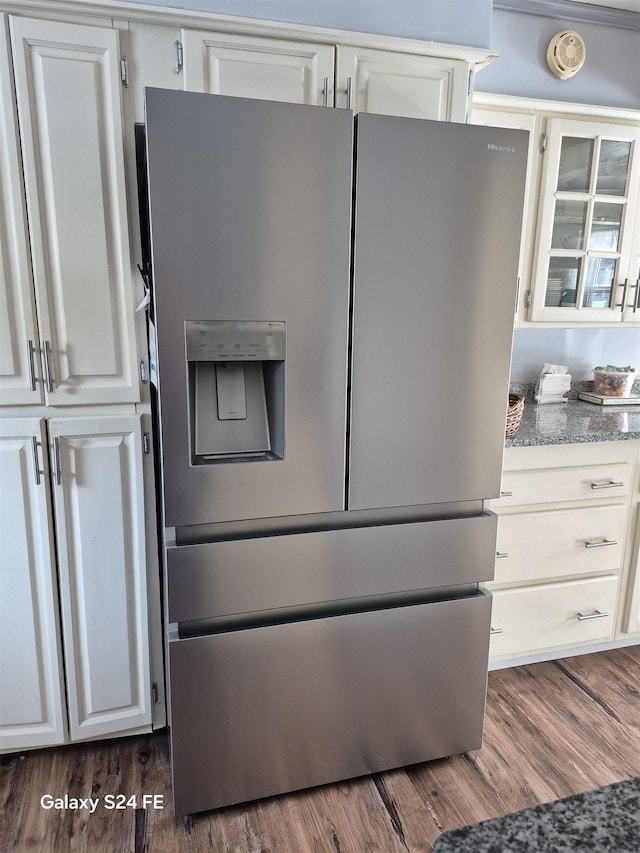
(251, 575)
(262, 711)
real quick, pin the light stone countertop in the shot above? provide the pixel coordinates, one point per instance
(575, 422)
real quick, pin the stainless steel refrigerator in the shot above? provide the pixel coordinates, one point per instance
(333, 302)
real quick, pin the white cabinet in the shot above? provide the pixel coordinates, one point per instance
(586, 264)
(262, 68)
(32, 705)
(631, 622)
(562, 552)
(98, 512)
(400, 84)
(68, 94)
(551, 543)
(366, 79)
(18, 335)
(580, 238)
(553, 616)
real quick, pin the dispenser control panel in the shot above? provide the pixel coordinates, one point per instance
(235, 341)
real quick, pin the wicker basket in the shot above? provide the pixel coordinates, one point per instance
(514, 414)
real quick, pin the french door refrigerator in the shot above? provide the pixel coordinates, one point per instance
(333, 301)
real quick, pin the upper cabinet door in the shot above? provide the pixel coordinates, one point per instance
(380, 81)
(262, 68)
(586, 265)
(18, 337)
(69, 106)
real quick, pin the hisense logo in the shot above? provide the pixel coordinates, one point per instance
(508, 148)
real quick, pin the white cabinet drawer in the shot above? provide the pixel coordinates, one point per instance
(538, 618)
(557, 543)
(547, 485)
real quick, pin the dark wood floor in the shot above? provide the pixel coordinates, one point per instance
(552, 729)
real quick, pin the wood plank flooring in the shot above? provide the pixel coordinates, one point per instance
(552, 729)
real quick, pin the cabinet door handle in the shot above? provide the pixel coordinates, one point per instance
(500, 555)
(31, 366)
(600, 543)
(48, 373)
(634, 302)
(57, 472)
(597, 614)
(36, 461)
(506, 494)
(622, 304)
(495, 630)
(325, 92)
(612, 484)
(348, 91)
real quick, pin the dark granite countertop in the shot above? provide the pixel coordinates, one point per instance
(604, 820)
(575, 422)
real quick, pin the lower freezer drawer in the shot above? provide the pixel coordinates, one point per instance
(219, 579)
(266, 710)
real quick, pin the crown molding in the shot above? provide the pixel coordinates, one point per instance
(522, 104)
(570, 11)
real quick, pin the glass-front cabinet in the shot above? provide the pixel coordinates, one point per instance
(587, 256)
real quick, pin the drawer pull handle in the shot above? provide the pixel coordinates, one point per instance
(601, 543)
(495, 631)
(597, 614)
(505, 494)
(612, 484)
(500, 555)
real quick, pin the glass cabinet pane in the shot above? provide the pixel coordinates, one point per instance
(569, 225)
(576, 157)
(562, 282)
(613, 166)
(605, 229)
(599, 282)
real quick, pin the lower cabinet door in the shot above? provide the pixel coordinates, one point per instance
(538, 618)
(260, 711)
(555, 543)
(98, 503)
(31, 691)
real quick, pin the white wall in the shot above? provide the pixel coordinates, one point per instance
(579, 349)
(610, 75)
(465, 22)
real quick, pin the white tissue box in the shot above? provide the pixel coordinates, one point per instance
(553, 388)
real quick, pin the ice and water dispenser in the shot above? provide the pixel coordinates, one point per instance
(236, 374)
